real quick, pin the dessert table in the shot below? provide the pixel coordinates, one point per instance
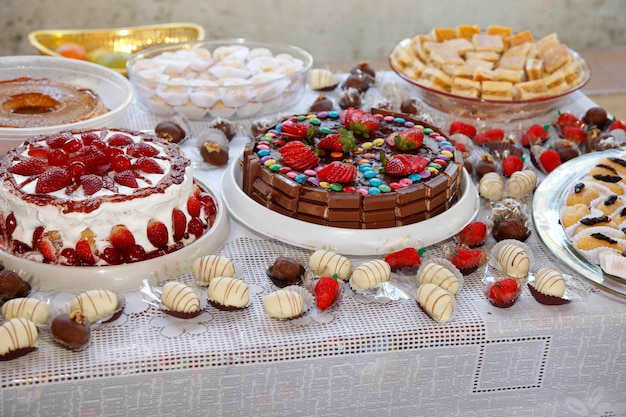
(376, 354)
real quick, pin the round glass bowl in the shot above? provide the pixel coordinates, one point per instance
(493, 110)
(229, 78)
(125, 277)
(114, 89)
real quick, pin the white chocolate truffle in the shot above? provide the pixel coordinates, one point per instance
(229, 292)
(433, 273)
(283, 304)
(491, 186)
(16, 334)
(513, 260)
(436, 302)
(205, 268)
(325, 262)
(521, 183)
(95, 304)
(549, 281)
(179, 297)
(29, 308)
(370, 275)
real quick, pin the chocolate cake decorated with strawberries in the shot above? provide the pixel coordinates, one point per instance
(354, 169)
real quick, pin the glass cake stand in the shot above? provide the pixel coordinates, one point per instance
(547, 203)
(359, 242)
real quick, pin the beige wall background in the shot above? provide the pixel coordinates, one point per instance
(331, 30)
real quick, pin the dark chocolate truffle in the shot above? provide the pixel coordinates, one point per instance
(364, 67)
(350, 98)
(409, 106)
(170, 131)
(12, 286)
(285, 271)
(214, 154)
(71, 330)
(596, 116)
(566, 149)
(484, 166)
(225, 126)
(510, 229)
(321, 103)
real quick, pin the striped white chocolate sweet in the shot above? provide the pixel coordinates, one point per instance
(514, 260)
(370, 275)
(207, 267)
(436, 302)
(16, 334)
(521, 183)
(550, 281)
(229, 292)
(283, 304)
(491, 186)
(179, 297)
(433, 273)
(29, 308)
(324, 262)
(95, 304)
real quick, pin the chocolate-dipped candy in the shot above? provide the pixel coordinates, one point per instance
(521, 184)
(12, 285)
(596, 116)
(179, 298)
(170, 131)
(484, 165)
(321, 79)
(285, 271)
(96, 304)
(71, 330)
(321, 104)
(324, 262)
(370, 275)
(29, 308)
(409, 106)
(510, 229)
(491, 186)
(434, 273)
(548, 287)
(358, 81)
(18, 336)
(213, 153)
(566, 149)
(436, 302)
(513, 260)
(224, 126)
(208, 267)
(227, 293)
(284, 304)
(364, 68)
(350, 98)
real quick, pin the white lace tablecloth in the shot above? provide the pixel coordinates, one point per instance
(369, 356)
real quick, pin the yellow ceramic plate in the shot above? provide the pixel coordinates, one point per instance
(125, 40)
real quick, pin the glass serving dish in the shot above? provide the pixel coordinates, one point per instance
(227, 78)
(493, 110)
(547, 203)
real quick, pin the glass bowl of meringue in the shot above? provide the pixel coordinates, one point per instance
(232, 78)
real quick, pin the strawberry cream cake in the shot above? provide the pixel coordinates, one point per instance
(354, 169)
(99, 197)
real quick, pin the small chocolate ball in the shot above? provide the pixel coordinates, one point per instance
(71, 330)
(225, 126)
(409, 106)
(12, 286)
(170, 131)
(350, 98)
(214, 154)
(365, 68)
(596, 116)
(359, 82)
(285, 271)
(510, 229)
(322, 103)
